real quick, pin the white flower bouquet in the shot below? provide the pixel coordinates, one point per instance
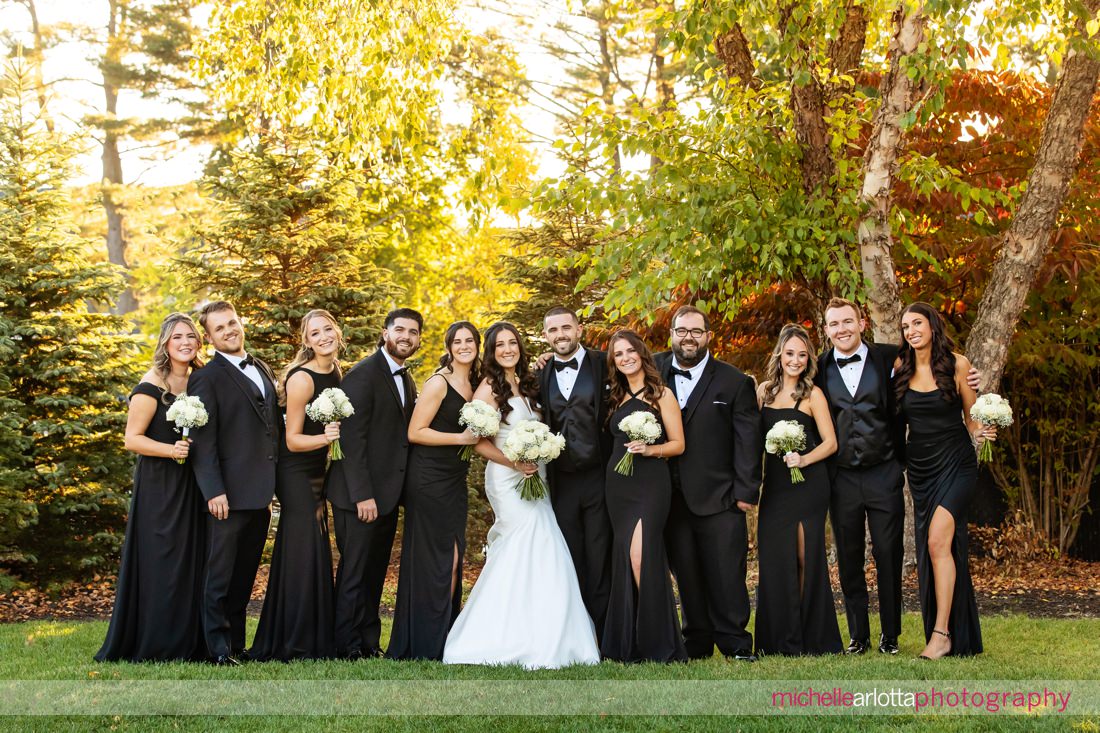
(187, 411)
(990, 409)
(784, 437)
(332, 405)
(639, 425)
(532, 442)
(482, 419)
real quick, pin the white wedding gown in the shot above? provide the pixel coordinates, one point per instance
(525, 607)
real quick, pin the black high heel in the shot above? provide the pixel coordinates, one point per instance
(941, 633)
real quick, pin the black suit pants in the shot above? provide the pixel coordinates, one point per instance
(580, 508)
(234, 547)
(708, 556)
(365, 549)
(861, 498)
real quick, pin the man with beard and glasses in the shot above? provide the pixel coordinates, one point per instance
(714, 483)
(573, 391)
(365, 487)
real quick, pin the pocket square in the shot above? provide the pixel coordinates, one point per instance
(719, 402)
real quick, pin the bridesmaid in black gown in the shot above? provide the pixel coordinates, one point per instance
(935, 400)
(641, 623)
(156, 614)
(297, 617)
(795, 614)
(429, 584)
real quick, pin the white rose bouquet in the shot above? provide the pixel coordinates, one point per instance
(332, 405)
(784, 437)
(532, 442)
(187, 411)
(640, 425)
(990, 409)
(482, 419)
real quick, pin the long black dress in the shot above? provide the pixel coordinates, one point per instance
(641, 623)
(436, 505)
(789, 620)
(942, 471)
(297, 617)
(158, 600)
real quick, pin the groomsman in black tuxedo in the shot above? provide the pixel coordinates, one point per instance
(573, 393)
(233, 457)
(866, 471)
(714, 483)
(365, 487)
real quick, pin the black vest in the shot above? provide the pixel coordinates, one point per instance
(864, 430)
(577, 419)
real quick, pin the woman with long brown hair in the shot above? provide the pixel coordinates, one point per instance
(641, 622)
(158, 600)
(934, 399)
(794, 612)
(297, 617)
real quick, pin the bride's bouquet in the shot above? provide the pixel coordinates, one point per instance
(784, 437)
(532, 442)
(640, 425)
(990, 409)
(482, 419)
(187, 411)
(332, 405)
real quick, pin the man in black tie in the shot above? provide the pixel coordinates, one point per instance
(714, 483)
(573, 392)
(366, 486)
(233, 458)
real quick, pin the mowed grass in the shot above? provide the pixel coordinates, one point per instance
(1017, 648)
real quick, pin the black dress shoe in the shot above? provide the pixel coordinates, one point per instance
(374, 654)
(744, 655)
(226, 660)
(242, 655)
(858, 646)
(888, 645)
(354, 655)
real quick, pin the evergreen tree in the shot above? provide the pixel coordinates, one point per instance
(294, 232)
(65, 371)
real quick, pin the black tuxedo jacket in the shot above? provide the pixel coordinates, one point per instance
(725, 444)
(375, 440)
(236, 451)
(596, 363)
(882, 357)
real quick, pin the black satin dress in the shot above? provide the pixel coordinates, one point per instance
(297, 620)
(158, 599)
(641, 623)
(436, 504)
(792, 620)
(942, 471)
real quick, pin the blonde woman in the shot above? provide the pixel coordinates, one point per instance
(159, 594)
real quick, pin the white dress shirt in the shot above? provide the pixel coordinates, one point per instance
(685, 386)
(567, 377)
(398, 379)
(852, 372)
(251, 371)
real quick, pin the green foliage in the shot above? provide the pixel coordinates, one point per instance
(65, 371)
(293, 231)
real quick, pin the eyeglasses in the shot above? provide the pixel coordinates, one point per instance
(696, 333)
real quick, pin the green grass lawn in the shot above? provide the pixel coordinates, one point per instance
(58, 656)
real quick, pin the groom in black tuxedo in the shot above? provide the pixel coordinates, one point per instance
(714, 483)
(233, 459)
(573, 392)
(366, 486)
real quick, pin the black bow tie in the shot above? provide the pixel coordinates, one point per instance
(400, 370)
(571, 364)
(248, 360)
(680, 373)
(846, 360)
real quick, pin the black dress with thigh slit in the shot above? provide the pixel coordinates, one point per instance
(792, 620)
(641, 624)
(942, 471)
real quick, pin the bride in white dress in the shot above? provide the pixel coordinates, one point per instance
(526, 606)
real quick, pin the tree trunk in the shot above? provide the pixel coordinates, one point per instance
(880, 162)
(846, 50)
(808, 105)
(112, 163)
(1027, 242)
(732, 49)
(607, 87)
